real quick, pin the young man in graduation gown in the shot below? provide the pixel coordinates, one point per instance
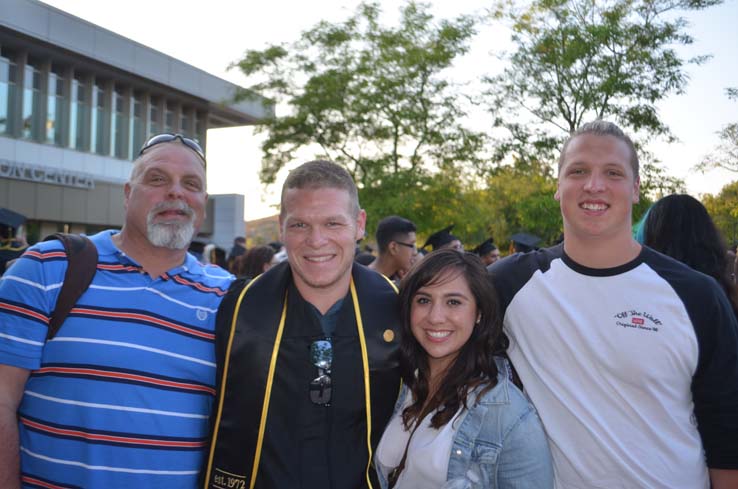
(307, 353)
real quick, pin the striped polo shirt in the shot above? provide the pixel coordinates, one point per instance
(121, 396)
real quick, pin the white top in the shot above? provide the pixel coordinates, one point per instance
(608, 358)
(426, 464)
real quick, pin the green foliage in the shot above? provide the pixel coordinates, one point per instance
(580, 60)
(523, 200)
(370, 97)
(725, 156)
(432, 202)
(723, 209)
(511, 201)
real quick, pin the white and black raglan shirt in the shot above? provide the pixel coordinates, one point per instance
(633, 369)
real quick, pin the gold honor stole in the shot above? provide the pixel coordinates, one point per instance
(250, 324)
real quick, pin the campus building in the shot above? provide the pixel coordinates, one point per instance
(76, 104)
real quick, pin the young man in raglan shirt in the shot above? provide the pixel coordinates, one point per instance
(629, 356)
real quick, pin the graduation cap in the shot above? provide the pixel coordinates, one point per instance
(10, 218)
(485, 247)
(525, 241)
(440, 238)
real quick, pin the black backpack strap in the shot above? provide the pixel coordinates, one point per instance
(81, 267)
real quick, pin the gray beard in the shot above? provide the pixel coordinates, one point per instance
(171, 235)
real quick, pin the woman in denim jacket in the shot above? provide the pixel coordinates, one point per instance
(459, 422)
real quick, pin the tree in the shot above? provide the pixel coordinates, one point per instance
(432, 202)
(580, 60)
(723, 209)
(523, 200)
(726, 154)
(368, 96)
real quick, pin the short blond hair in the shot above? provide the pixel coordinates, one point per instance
(321, 174)
(604, 128)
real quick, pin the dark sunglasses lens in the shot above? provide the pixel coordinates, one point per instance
(321, 390)
(321, 354)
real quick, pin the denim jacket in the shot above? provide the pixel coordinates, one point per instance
(500, 443)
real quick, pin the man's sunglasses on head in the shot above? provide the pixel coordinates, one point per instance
(168, 138)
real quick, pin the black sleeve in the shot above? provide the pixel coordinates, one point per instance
(715, 381)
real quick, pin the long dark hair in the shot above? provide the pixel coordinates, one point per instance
(475, 364)
(251, 263)
(679, 226)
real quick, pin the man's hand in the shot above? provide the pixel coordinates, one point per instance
(12, 383)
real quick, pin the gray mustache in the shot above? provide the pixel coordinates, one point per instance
(172, 206)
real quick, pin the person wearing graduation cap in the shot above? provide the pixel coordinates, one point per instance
(443, 239)
(488, 252)
(524, 242)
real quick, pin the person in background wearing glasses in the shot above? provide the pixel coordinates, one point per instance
(307, 352)
(397, 249)
(121, 396)
(459, 420)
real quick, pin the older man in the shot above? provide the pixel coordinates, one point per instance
(629, 356)
(307, 358)
(121, 396)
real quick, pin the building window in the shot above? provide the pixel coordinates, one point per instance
(154, 117)
(118, 127)
(200, 128)
(186, 123)
(56, 107)
(79, 115)
(136, 124)
(31, 112)
(100, 114)
(8, 91)
(169, 117)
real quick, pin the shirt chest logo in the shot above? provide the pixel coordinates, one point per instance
(640, 320)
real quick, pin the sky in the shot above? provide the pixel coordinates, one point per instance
(212, 34)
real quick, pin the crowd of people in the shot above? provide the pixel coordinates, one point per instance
(605, 361)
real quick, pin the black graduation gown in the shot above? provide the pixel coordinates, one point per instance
(267, 433)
